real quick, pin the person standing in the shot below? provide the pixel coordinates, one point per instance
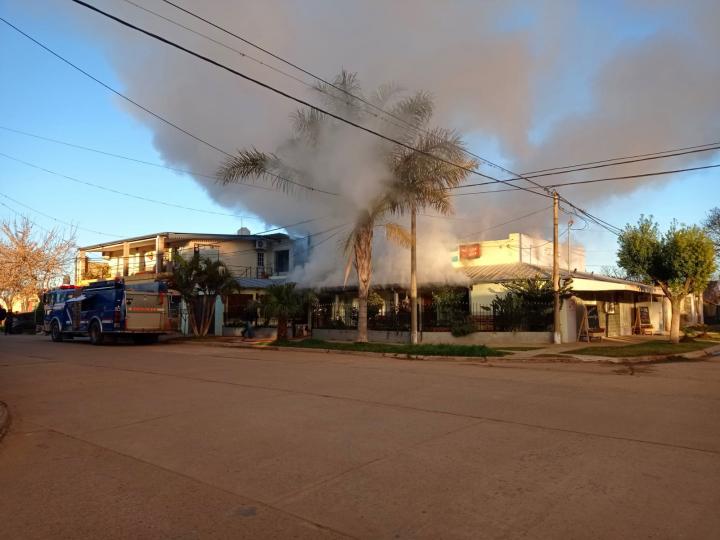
(8, 322)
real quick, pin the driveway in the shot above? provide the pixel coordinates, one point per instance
(191, 441)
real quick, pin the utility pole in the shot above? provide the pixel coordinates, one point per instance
(413, 277)
(570, 224)
(556, 271)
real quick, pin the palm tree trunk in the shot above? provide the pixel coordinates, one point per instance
(190, 306)
(413, 277)
(282, 328)
(208, 313)
(363, 264)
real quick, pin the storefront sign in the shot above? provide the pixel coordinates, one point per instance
(469, 251)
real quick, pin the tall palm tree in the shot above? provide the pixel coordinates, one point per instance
(309, 126)
(420, 181)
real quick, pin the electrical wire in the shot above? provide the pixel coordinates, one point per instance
(123, 193)
(507, 222)
(67, 223)
(327, 83)
(121, 156)
(673, 150)
(581, 182)
(149, 111)
(287, 95)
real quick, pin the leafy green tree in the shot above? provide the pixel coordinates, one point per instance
(712, 224)
(199, 281)
(680, 262)
(528, 304)
(452, 307)
(282, 302)
(375, 304)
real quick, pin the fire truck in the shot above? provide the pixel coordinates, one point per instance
(137, 307)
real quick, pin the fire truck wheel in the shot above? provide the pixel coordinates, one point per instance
(96, 335)
(55, 333)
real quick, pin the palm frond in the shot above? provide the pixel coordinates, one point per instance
(307, 124)
(398, 234)
(253, 164)
(416, 109)
(385, 92)
(339, 94)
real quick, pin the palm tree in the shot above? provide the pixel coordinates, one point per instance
(421, 181)
(282, 302)
(199, 281)
(309, 126)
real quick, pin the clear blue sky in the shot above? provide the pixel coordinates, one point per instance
(39, 94)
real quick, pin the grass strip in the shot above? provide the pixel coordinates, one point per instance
(423, 349)
(645, 349)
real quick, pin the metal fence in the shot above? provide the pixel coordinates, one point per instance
(510, 316)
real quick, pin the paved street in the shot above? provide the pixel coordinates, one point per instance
(189, 441)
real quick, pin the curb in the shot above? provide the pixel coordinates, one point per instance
(693, 355)
(568, 356)
(4, 419)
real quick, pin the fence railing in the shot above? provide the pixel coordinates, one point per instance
(525, 317)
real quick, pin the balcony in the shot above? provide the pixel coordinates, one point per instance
(257, 272)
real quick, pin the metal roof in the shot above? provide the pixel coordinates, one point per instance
(497, 273)
(256, 283)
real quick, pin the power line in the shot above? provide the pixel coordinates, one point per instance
(625, 162)
(121, 156)
(318, 109)
(599, 221)
(698, 146)
(301, 238)
(123, 193)
(666, 155)
(147, 110)
(25, 217)
(302, 70)
(56, 219)
(273, 68)
(580, 182)
(285, 94)
(287, 62)
(507, 222)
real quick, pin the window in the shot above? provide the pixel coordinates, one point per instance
(282, 260)
(261, 259)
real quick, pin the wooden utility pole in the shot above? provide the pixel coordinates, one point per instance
(556, 271)
(413, 277)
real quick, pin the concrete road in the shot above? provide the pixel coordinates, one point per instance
(188, 441)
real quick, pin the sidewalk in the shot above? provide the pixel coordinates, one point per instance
(550, 353)
(566, 351)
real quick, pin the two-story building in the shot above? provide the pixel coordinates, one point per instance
(256, 260)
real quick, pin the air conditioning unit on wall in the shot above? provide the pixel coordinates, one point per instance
(260, 244)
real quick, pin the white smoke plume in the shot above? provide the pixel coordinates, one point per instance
(541, 85)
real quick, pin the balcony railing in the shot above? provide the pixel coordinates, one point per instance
(257, 272)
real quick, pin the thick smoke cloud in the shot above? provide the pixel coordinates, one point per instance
(542, 85)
